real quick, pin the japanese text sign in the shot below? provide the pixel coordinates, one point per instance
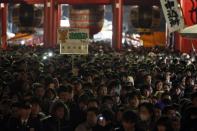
(173, 15)
(73, 40)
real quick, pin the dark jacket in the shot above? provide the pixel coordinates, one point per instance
(15, 124)
(53, 124)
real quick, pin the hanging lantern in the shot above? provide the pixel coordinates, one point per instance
(27, 17)
(145, 18)
(89, 17)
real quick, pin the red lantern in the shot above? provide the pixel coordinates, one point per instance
(27, 17)
(89, 16)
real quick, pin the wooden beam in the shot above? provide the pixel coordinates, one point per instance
(23, 1)
(106, 2)
(142, 2)
(74, 2)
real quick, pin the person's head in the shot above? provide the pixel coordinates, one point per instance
(157, 111)
(133, 99)
(166, 98)
(119, 113)
(194, 99)
(77, 86)
(50, 94)
(35, 108)
(148, 79)
(27, 96)
(15, 107)
(169, 111)
(168, 76)
(83, 101)
(24, 110)
(65, 93)
(108, 102)
(130, 80)
(164, 124)
(176, 90)
(146, 111)
(106, 117)
(91, 116)
(59, 110)
(129, 120)
(50, 68)
(102, 90)
(159, 86)
(25, 86)
(39, 90)
(176, 123)
(191, 118)
(93, 103)
(188, 72)
(49, 82)
(116, 99)
(145, 92)
(166, 87)
(183, 80)
(189, 81)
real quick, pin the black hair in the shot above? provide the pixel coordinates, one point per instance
(108, 115)
(24, 105)
(50, 90)
(132, 94)
(37, 85)
(166, 122)
(83, 98)
(93, 109)
(48, 80)
(93, 100)
(168, 108)
(35, 100)
(193, 95)
(148, 106)
(106, 98)
(67, 88)
(15, 104)
(59, 104)
(130, 116)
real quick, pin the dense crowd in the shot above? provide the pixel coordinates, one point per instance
(132, 90)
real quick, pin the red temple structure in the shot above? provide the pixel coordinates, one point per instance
(52, 14)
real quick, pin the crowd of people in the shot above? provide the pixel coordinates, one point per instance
(143, 89)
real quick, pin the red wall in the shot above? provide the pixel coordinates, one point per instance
(183, 44)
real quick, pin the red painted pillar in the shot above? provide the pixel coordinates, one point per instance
(4, 10)
(59, 15)
(117, 24)
(51, 10)
(55, 21)
(47, 32)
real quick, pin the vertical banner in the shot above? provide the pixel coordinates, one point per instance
(173, 15)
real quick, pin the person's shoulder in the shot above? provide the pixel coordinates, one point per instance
(81, 127)
(13, 119)
(140, 129)
(47, 119)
